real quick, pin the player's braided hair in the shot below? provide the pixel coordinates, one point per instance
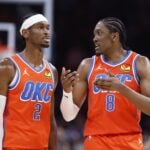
(116, 25)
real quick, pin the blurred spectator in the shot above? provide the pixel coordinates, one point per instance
(73, 57)
(4, 51)
(70, 135)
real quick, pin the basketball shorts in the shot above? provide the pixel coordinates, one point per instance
(117, 142)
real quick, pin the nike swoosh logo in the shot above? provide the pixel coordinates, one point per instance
(66, 96)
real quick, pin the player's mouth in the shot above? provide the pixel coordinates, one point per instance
(46, 39)
(97, 47)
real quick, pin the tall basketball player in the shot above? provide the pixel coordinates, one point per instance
(27, 86)
(115, 80)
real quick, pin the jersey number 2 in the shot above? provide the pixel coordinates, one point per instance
(36, 113)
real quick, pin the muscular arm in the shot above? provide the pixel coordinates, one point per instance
(142, 101)
(80, 87)
(75, 90)
(53, 134)
(7, 72)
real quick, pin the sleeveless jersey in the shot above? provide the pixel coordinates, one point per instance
(27, 113)
(110, 113)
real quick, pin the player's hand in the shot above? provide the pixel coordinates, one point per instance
(111, 83)
(68, 78)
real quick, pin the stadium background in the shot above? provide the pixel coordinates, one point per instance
(72, 23)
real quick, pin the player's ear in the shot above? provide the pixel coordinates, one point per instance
(25, 33)
(115, 36)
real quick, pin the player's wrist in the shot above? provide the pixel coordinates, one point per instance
(121, 87)
(68, 108)
(68, 89)
(68, 94)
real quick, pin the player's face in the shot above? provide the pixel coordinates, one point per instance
(102, 38)
(40, 34)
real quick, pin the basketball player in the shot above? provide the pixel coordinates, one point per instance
(116, 80)
(27, 87)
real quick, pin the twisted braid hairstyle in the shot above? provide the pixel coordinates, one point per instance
(116, 25)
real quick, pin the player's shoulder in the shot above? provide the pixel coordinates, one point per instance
(139, 58)
(53, 68)
(6, 63)
(86, 61)
(85, 65)
(142, 60)
(142, 65)
(7, 68)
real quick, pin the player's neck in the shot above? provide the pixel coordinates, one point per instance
(116, 55)
(35, 58)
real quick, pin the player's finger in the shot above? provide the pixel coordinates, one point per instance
(63, 71)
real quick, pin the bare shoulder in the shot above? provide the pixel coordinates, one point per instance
(7, 73)
(85, 63)
(55, 72)
(54, 69)
(84, 67)
(6, 65)
(143, 65)
(142, 60)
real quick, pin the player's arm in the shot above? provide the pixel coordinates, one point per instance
(74, 90)
(142, 101)
(7, 71)
(80, 88)
(53, 134)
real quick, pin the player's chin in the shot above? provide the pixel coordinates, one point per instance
(45, 45)
(97, 53)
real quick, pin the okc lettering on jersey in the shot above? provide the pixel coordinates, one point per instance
(36, 92)
(122, 77)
